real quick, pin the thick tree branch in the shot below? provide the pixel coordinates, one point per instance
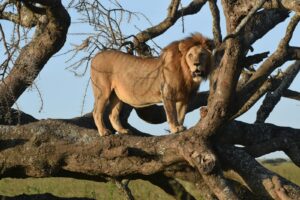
(156, 114)
(245, 20)
(55, 148)
(30, 62)
(14, 117)
(261, 23)
(201, 154)
(266, 183)
(260, 139)
(62, 159)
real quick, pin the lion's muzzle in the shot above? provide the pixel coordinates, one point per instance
(199, 72)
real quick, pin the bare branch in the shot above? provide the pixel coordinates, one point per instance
(254, 59)
(294, 53)
(289, 31)
(173, 15)
(4, 66)
(269, 85)
(273, 98)
(3, 6)
(279, 57)
(216, 22)
(291, 94)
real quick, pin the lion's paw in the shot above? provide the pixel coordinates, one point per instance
(125, 132)
(106, 132)
(178, 129)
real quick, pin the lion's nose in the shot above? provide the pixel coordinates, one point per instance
(198, 66)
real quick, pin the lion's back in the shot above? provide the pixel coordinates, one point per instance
(135, 80)
(106, 60)
(117, 61)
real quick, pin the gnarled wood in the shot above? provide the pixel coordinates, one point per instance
(50, 37)
(55, 148)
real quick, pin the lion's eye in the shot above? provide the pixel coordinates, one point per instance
(190, 56)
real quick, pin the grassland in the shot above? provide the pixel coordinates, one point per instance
(108, 191)
(286, 169)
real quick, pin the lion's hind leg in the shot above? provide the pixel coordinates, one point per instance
(101, 99)
(114, 114)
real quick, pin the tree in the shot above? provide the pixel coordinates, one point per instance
(201, 154)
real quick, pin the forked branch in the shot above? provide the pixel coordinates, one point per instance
(272, 98)
(173, 15)
(245, 20)
(279, 57)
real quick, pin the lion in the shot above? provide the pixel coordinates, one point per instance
(171, 79)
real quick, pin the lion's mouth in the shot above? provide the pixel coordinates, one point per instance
(198, 73)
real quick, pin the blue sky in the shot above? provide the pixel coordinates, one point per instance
(63, 93)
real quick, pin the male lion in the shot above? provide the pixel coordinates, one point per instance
(171, 78)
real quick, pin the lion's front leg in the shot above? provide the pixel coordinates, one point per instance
(181, 108)
(171, 112)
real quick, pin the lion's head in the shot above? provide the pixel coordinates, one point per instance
(194, 52)
(197, 53)
(198, 60)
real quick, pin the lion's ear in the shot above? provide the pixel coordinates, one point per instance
(182, 46)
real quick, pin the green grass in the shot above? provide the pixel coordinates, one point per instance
(286, 169)
(66, 187)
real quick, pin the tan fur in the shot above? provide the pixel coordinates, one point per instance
(171, 78)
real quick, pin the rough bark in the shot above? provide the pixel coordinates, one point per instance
(55, 148)
(202, 154)
(50, 36)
